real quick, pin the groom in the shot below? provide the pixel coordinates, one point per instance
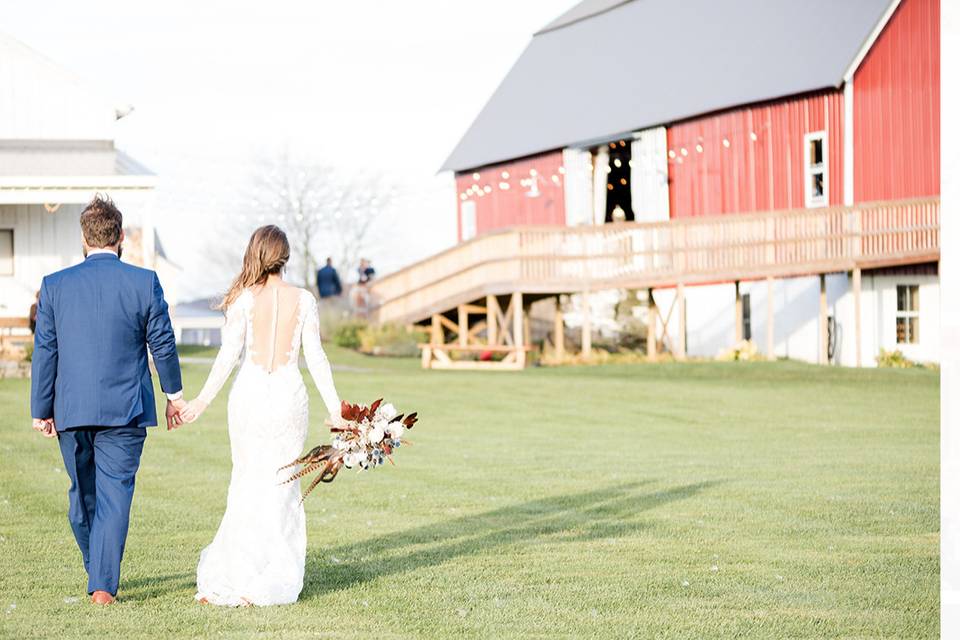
(92, 389)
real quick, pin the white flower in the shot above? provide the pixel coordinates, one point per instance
(395, 429)
(375, 435)
(387, 411)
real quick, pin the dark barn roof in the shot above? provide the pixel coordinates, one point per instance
(608, 67)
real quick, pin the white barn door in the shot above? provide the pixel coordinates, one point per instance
(578, 186)
(649, 192)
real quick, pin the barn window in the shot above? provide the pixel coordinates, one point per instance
(908, 314)
(468, 219)
(6, 252)
(815, 169)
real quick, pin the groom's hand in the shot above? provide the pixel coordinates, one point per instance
(174, 407)
(45, 427)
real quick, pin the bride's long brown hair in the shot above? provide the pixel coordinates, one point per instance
(267, 253)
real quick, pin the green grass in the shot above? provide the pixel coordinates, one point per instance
(761, 500)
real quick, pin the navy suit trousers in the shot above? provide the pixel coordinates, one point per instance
(102, 464)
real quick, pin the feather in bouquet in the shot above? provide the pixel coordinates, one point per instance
(366, 437)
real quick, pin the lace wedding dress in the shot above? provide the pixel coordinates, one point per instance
(259, 551)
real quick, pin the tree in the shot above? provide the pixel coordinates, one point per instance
(323, 212)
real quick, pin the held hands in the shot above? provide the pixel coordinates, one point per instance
(173, 413)
(192, 410)
(45, 427)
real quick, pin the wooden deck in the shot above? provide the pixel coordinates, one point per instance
(557, 260)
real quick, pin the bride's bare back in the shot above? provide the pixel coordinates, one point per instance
(276, 318)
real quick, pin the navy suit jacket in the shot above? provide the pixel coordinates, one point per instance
(328, 282)
(94, 323)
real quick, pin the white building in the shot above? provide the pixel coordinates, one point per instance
(56, 151)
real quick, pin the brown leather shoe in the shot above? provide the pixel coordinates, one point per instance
(101, 597)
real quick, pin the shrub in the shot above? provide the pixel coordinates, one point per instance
(28, 352)
(743, 350)
(347, 334)
(895, 359)
(391, 340)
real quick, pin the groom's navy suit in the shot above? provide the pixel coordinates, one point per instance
(90, 373)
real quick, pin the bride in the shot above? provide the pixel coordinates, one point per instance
(257, 556)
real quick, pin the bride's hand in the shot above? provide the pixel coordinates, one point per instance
(192, 411)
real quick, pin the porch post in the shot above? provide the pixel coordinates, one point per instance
(856, 315)
(586, 330)
(518, 342)
(558, 346)
(492, 321)
(770, 319)
(651, 326)
(681, 323)
(823, 319)
(463, 325)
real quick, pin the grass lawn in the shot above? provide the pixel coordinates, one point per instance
(707, 500)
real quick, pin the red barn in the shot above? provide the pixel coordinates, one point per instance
(668, 113)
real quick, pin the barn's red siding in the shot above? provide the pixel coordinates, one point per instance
(896, 105)
(750, 174)
(505, 207)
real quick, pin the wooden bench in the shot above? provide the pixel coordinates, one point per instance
(437, 356)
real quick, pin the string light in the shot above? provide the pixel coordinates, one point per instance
(505, 175)
(476, 176)
(726, 143)
(561, 170)
(699, 148)
(753, 136)
(617, 163)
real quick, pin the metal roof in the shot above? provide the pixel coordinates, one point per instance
(606, 68)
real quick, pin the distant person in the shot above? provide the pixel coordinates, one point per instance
(366, 272)
(328, 281)
(33, 313)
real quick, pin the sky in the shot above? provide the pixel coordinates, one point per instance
(378, 87)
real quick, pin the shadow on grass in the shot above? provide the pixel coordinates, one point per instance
(152, 587)
(604, 513)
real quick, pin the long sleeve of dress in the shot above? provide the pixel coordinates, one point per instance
(232, 338)
(316, 358)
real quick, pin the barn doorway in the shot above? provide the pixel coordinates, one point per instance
(619, 201)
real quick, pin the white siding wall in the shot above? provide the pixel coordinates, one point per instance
(42, 243)
(710, 317)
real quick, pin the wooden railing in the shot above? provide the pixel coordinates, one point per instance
(691, 250)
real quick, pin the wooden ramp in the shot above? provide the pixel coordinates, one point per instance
(477, 294)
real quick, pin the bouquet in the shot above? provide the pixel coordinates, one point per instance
(366, 437)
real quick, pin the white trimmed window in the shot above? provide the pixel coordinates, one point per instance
(468, 219)
(908, 314)
(6, 252)
(815, 175)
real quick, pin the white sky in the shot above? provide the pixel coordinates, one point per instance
(386, 86)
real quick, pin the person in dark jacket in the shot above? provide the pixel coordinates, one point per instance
(328, 281)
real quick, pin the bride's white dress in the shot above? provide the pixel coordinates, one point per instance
(259, 551)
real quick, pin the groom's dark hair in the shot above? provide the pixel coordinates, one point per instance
(101, 222)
